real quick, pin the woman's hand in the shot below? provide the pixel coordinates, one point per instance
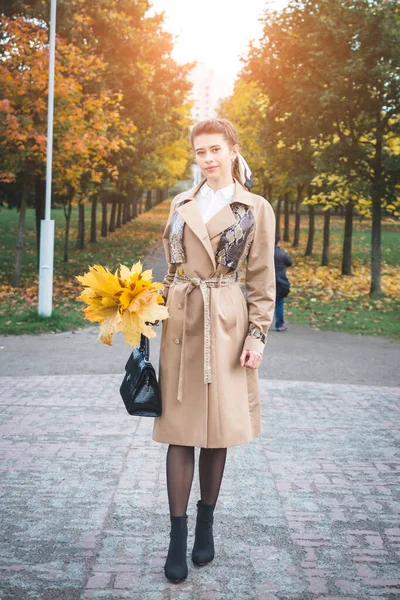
(251, 359)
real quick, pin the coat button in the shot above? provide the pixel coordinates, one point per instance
(177, 341)
(179, 306)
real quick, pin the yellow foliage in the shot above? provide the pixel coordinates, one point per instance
(124, 301)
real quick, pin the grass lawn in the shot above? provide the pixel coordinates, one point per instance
(323, 299)
(320, 297)
(18, 307)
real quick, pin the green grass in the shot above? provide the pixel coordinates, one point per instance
(123, 245)
(361, 245)
(25, 319)
(18, 308)
(361, 315)
(373, 317)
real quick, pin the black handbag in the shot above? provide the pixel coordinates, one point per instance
(140, 390)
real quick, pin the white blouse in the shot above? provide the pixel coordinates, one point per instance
(210, 202)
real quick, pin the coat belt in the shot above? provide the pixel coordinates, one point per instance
(204, 285)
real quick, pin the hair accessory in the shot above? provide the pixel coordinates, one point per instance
(246, 175)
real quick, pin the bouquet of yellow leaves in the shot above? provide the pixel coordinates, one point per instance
(124, 301)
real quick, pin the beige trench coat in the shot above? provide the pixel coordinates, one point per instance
(226, 411)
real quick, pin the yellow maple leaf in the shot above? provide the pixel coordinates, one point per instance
(125, 301)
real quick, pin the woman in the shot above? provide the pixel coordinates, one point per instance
(213, 342)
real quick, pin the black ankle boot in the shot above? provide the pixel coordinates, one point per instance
(203, 549)
(175, 567)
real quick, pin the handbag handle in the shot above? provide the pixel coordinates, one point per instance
(145, 347)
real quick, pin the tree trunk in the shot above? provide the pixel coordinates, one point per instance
(135, 199)
(93, 221)
(80, 244)
(148, 200)
(278, 216)
(67, 213)
(347, 240)
(133, 202)
(104, 215)
(113, 212)
(286, 236)
(376, 248)
(40, 194)
(125, 207)
(265, 188)
(129, 201)
(325, 241)
(16, 277)
(299, 200)
(311, 230)
(376, 242)
(119, 213)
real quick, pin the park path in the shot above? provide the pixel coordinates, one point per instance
(310, 510)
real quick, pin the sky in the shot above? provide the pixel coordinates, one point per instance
(216, 32)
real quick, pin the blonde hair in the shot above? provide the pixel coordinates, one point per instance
(229, 133)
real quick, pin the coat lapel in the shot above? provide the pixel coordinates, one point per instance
(188, 208)
(190, 212)
(221, 220)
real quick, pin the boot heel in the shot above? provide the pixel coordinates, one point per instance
(203, 549)
(175, 568)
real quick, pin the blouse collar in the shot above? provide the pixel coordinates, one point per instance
(227, 191)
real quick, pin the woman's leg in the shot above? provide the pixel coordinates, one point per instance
(211, 470)
(180, 468)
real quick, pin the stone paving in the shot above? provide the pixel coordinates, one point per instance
(310, 510)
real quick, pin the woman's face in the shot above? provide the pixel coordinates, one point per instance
(214, 156)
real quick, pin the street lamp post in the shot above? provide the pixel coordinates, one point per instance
(47, 225)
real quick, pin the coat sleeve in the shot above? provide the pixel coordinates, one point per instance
(288, 260)
(171, 267)
(260, 278)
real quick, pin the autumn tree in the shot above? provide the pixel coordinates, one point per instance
(121, 121)
(334, 67)
(133, 43)
(22, 113)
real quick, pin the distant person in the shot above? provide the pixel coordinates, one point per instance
(282, 260)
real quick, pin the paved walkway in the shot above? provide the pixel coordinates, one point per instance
(310, 510)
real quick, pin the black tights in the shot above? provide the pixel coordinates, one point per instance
(180, 470)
